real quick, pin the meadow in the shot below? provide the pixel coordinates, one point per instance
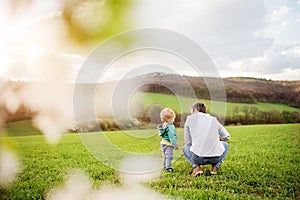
(263, 163)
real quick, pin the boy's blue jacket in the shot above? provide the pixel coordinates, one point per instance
(168, 133)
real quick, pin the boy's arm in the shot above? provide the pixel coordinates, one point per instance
(172, 136)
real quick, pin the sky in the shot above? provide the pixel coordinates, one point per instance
(243, 38)
(258, 38)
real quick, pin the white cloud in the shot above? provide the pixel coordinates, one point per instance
(278, 14)
(298, 18)
(279, 61)
(289, 73)
(285, 24)
(297, 51)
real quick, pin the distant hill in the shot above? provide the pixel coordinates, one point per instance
(242, 90)
(287, 92)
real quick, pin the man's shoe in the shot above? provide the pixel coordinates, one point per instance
(213, 170)
(197, 171)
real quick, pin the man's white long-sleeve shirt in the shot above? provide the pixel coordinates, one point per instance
(202, 132)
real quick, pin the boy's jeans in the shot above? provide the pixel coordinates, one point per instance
(168, 155)
(196, 160)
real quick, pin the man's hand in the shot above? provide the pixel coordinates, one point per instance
(222, 139)
(176, 148)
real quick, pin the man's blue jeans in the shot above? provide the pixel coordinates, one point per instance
(197, 160)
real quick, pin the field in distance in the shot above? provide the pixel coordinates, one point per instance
(178, 102)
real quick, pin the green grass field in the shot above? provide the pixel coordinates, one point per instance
(263, 163)
(178, 103)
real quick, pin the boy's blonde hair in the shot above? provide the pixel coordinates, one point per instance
(167, 115)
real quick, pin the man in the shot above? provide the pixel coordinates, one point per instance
(204, 139)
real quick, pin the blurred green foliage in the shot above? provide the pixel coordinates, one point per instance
(94, 21)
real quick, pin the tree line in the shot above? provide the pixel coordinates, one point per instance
(240, 116)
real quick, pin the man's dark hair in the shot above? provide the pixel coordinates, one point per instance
(200, 107)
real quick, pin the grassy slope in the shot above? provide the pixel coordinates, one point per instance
(184, 103)
(263, 162)
(21, 128)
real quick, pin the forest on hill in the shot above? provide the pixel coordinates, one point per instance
(241, 90)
